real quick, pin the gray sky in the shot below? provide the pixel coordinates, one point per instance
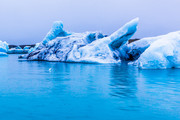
(28, 21)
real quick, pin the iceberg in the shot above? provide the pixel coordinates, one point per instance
(18, 50)
(163, 52)
(3, 48)
(63, 46)
(3, 54)
(159, 52)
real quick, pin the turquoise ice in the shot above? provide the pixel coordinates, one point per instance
(3, 48)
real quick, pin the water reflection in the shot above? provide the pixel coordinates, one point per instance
(124, 87)
(123, 81)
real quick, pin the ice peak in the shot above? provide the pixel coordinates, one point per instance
(122, 35)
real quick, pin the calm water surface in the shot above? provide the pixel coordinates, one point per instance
(68, 91)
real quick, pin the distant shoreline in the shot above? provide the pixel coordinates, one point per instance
(22, 46)
(32, 45)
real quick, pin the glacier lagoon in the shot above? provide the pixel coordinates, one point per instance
(53, 90)
(86, 90)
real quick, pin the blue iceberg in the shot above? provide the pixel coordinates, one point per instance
(18, 50)
(60, 45)
(163, 52)
(3, 48)
(159, 52)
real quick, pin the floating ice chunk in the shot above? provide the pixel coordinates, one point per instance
(4, 47)
(163, 52)
(3, 54)
(18, 50)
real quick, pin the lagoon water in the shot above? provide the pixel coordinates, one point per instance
(32, 90)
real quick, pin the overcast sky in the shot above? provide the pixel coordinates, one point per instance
(28, 21)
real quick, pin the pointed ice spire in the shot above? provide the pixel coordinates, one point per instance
(121, 36)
